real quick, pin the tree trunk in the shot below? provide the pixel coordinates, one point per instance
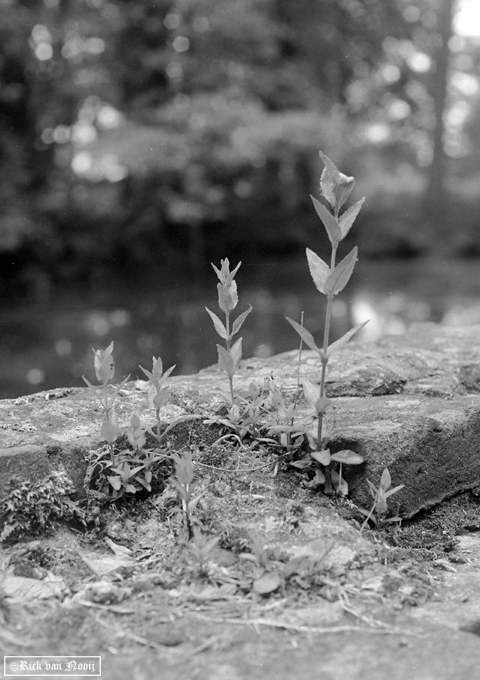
(436, 202)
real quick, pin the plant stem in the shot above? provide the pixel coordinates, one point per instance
(297, 391)
(227, 342)
(326, 339)
(370, 514)
(105, 395)
(159, 436)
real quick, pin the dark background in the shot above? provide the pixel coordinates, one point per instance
(141, 140)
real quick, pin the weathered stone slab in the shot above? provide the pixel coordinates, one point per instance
(409, 402)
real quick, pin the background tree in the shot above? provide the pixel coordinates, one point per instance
(129, 128)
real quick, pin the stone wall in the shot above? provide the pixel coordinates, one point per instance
(409, 402)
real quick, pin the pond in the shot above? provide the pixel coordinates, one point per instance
(50, 345)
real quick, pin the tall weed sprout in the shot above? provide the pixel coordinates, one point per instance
(107, 394)
(229, 357)
(330, 279)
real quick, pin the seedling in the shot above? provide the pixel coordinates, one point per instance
(157, 392)
(184, 484)
(135, 433)
(122, 480)
(273, 569)
(201, 548)
(229, 356)
(380, 507)
(107, 395)
(330, 280)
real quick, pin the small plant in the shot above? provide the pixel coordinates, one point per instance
(377, 514)
(229, 356)
(201, 548)
(157, 393)
(273, 569)
(133, 472)
(32, 508)
(136, 433)
(184, 484)
(330, 280)
(107, 394)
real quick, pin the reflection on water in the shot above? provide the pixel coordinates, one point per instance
(52, 346)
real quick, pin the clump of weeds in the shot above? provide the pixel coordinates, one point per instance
(201, 548)
(34, 507)
(158, 394)
(107, 395)
(273, 570)
(127, 471)
(265, 416)
(378, 512)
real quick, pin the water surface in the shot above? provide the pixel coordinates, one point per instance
(50, 345)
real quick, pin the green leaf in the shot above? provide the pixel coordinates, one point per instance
(224, 274)
(340, 276)
(322, 404)
(225, 361)
(133, 471)
(115, 482)
(386, 480)
(150, 376)
(300, 464)
(219, 327)
(168, 371)
(319, 270)
(335, 186)
(110, 429)
(306, 336)
(368, 514)
(394, 490)
(381, 506)
(346, 220)
(339, 344)
(329, 221)
(373, 489)
(322, 457)
(227, 297)
(238, 323)
(312, 392)
(267, 583)
(193, 503)
(348, 457)
(236, 352)
(327, 180)
(339, 484)
(144, 483)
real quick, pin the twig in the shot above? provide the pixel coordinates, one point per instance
(7, 636)
(128, 634)
(254, 469)
(304, 629)
(372, 622)
(297, 391)
(182, 419)
(106, 607)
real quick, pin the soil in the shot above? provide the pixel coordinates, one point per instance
(134, 592)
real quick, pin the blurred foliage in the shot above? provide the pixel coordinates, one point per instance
(135, 130)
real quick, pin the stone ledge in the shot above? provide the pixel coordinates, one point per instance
(409, 402)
